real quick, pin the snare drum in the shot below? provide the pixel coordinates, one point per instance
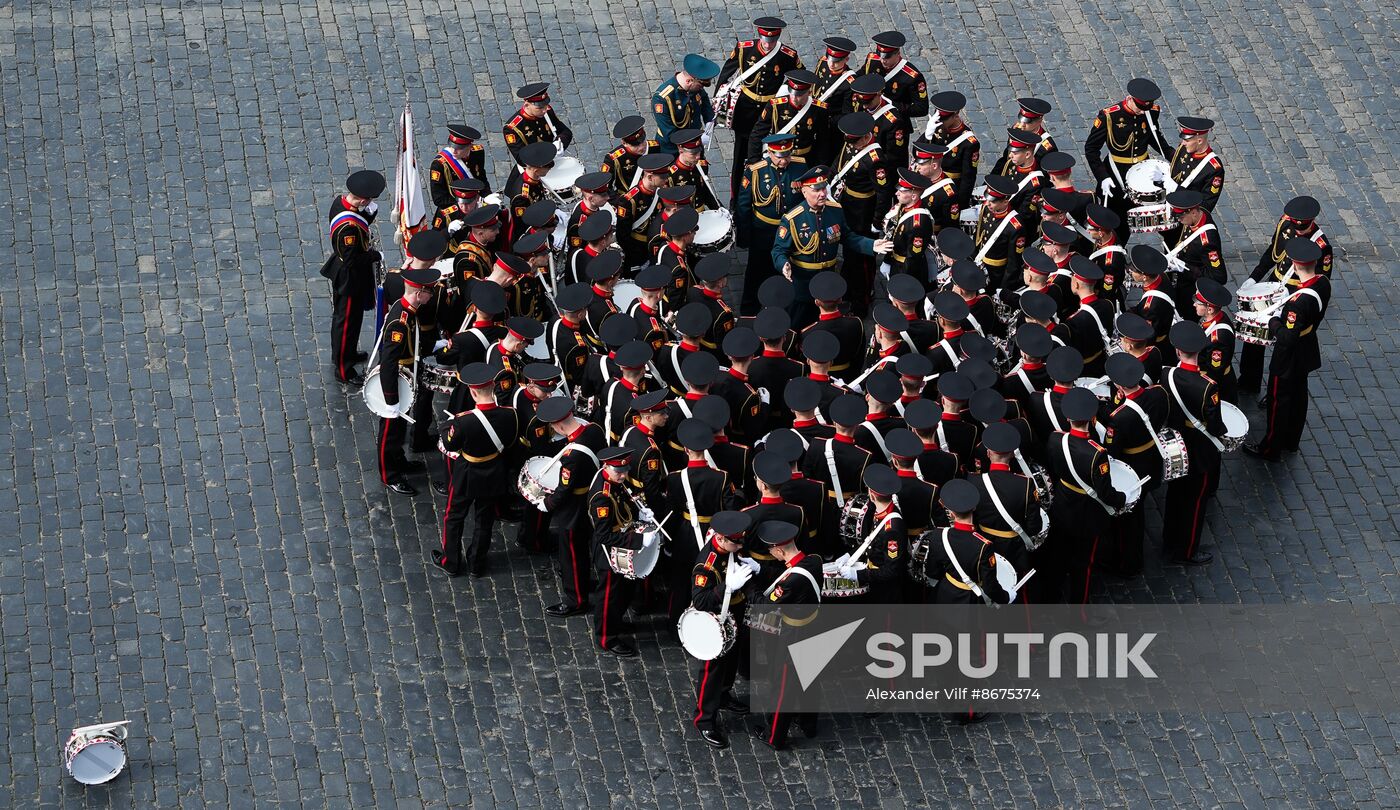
(560, 179)
(1098, 385)
(373, 394)
(537, 349)
(1038, 539)
(967, 219)
(835, 586)
(1175, 462)
(442, 448)
(538, 480)
(95, 755)
(1253, 328)
(704, 636)
(1236, 426)
(1260, 296)
(1125, 480)
(635, 563)
(444, 266)
(853, 519)
(764, 621)
(624, 294)
(437, 377)
(1150, 218)
(1149, 182)
(715, 234)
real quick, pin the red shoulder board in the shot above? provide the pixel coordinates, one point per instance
(516, 120)
(1115, 108)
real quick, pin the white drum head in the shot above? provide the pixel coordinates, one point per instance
(1006, 575)
(566, 170)
(1096, 385)
(1124, 479)
(1236, 423)
(538, 350)
(625, 293)
(701, 634)
(713, 226)
(645, 560)
(969, 215)
(544, 470)
(444, 266)
(373, 395)
(1150, 177)
(98, 762)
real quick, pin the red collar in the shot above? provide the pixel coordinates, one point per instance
(590, 251)
(571, 324)
(648, 310)
(996, 467)
(578, 432)
(1189, 366)
(876, 416)
(720, 438)
(1152, 284)
(907, 473)
(1061, 389)
(687, 346)
(952, 417)
(952, 333)
(646, 431)
(930, 446)
(802, 423)
(699, 462)
(713, 295)
(893, 347)
(773, 353)
(1032, 366)
(828, 316)
(628, 384)
(881, 514)
(844, 439)
(486, 407)
(1135, 394)
(1089, 299)
(1310, 281)
(693, 396)
(796, 558)
(738, 375)
(604, 293)
(963, 527)
(1083, 434)
(819, 377)
(773, 499)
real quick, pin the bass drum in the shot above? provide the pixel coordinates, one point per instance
(373, 394)
(704, 636)
(715, 234)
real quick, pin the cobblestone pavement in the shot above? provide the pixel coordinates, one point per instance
(195, 537)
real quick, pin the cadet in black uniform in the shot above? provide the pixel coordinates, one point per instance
(1008, 509)
(1217, 361)
(535, 122)
(1001, 235)
(1138, 412)
(904, 83)
(828, 291)
(1090, 327)
(536, 439)
(1195, 165)
(962, 151)
(568, 520)
(798, 586)
(1083, 503)
(645, 435)
(463, 158)
(960, 567)
(1157, 305)
(887, 552)
(1194, 247)
(694, 494)
(1296, 353)
(1195, 413)
(720, 574)
(405, 340)
(613, 506)
(621, 163)
(838, 462)
(760, 65)
(351, 268)
(798, 114)
(1128, 128)
(477, 443)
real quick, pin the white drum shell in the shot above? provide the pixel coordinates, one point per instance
(373, 394)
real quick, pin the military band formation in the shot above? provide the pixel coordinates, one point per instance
(940, 382)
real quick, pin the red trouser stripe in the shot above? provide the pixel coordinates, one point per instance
(344, 334)
(607, 595)
(573, 564)
(700, 698)
(451, 490)
(1194, 532)
(1268, 443)
(383, 443)
(1089, 571)
(778, 711)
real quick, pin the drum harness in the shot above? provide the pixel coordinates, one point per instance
(1190, 420)
(1001, 510)
(1073, 473)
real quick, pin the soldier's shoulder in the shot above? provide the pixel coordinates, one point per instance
(789, 51)
(796, 211)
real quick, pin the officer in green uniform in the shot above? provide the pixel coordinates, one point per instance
(681, 101)
(808, 238)
(768, 189)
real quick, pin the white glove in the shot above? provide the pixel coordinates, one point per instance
(705, 140)
(372, 208)
(750, 563)
(883, 246)
(456, 226)
(558, 240)
(848, 571)
(838, 382)
(787, 271)
(646, 514)
(1106, 187)
(884, 271)
(736, 576)
(441, 344)
(649, 539)
(764, 396)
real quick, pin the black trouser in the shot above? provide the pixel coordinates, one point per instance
(802, 310)
(714, 679)
(1251, 367)
(1187, 500)
(392, 461)
(1128, 532)
(1184, 295)
(760, 266)
(533, 534)
(1288, 413)
(1119, 204)
(775, 726)
(461, 502)
(612, 594)
(347, 315)
(573, 541)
